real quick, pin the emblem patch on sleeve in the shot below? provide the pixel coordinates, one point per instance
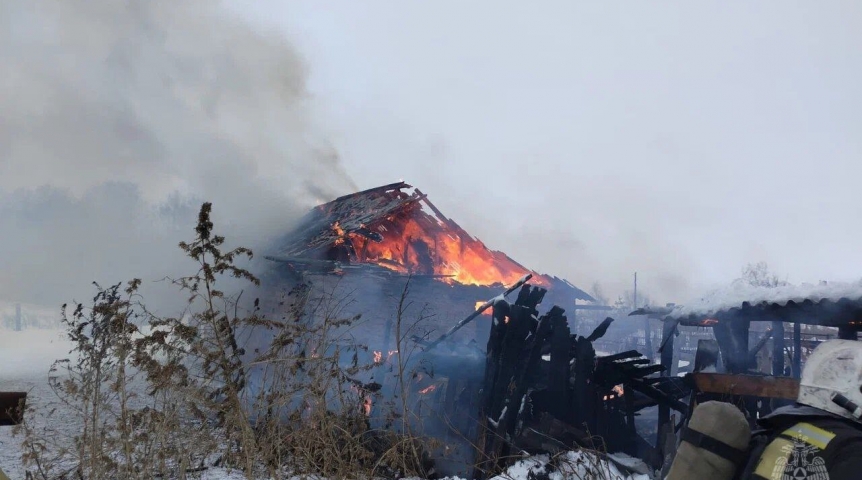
(795, 455)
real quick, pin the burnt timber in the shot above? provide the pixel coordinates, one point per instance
(338, 237)
(545, 389)
(743, 368)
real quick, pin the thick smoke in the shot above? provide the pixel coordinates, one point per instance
(117, 118)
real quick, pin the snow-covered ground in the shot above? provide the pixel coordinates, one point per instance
(25, 358)
(571, 466)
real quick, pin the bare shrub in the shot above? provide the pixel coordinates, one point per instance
(162, 397)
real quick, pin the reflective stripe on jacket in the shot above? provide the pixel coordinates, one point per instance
(805, 443)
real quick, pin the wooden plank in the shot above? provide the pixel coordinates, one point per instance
(660, 397)
(778, 349)
(480, 309)
(558, 370)
(644, 371)
(797, 350)
(666, 351)
(632, 363)
(746, 385)
(507, 364)
(620, 356)
(584, 356)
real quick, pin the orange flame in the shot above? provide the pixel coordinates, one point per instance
(616, 392)
(708, 322)
(487, 311)
(415, 242)
(366, 406)
(428, 389)
(338, 231)
(378, 357)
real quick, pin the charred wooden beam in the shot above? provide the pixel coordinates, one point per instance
(620, 356)
(633, 363)
(600, 331)
(797, 350)
(593, 307)
(558, 374)
(645, 371)
(479, 311)
(752, 354)
(669, 330)
(848, 333)
(507, 393)
(778, 348)
(584, 366)
(746, 385)
(628, 396)
(662, 398)
(547, 434)
(706, 356)
(520, 382)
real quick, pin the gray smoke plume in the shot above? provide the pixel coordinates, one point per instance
(117, 118)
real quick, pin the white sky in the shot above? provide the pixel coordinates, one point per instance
(585, 139)
(592, 139)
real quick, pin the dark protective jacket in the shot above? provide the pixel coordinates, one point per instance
(800, 442)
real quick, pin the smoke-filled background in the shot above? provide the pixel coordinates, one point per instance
(585, 140)
(592, 139)
(117, 119)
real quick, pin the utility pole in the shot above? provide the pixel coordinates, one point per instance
(17, 317)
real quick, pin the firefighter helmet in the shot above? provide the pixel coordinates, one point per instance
(833, 370)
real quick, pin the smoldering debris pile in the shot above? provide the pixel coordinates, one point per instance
(545, 389)
(511, 381)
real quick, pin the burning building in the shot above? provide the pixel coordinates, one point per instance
(369, 243)
(359, 252)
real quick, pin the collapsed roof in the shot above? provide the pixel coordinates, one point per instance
(388, 231)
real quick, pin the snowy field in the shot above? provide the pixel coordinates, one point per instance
(26, 357)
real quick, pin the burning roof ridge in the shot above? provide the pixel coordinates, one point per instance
(392, 186)
(361, 221)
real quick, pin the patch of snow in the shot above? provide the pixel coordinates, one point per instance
(221, 474)
(636, 465)
(741, 291)
(30, 353)
(576, 465)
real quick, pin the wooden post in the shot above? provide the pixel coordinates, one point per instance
(674, 366)
(778, 349)
(574, 328)
(628, 396)
(666, 361)
(797, 349)
(558, 374)
(504, 383)
(585, 357)
(848, 333)
(650, 354)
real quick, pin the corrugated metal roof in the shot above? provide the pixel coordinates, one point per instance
(833, 304)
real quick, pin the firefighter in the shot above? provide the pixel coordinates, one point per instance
(819, 437)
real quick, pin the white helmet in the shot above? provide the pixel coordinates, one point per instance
(834, 367)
